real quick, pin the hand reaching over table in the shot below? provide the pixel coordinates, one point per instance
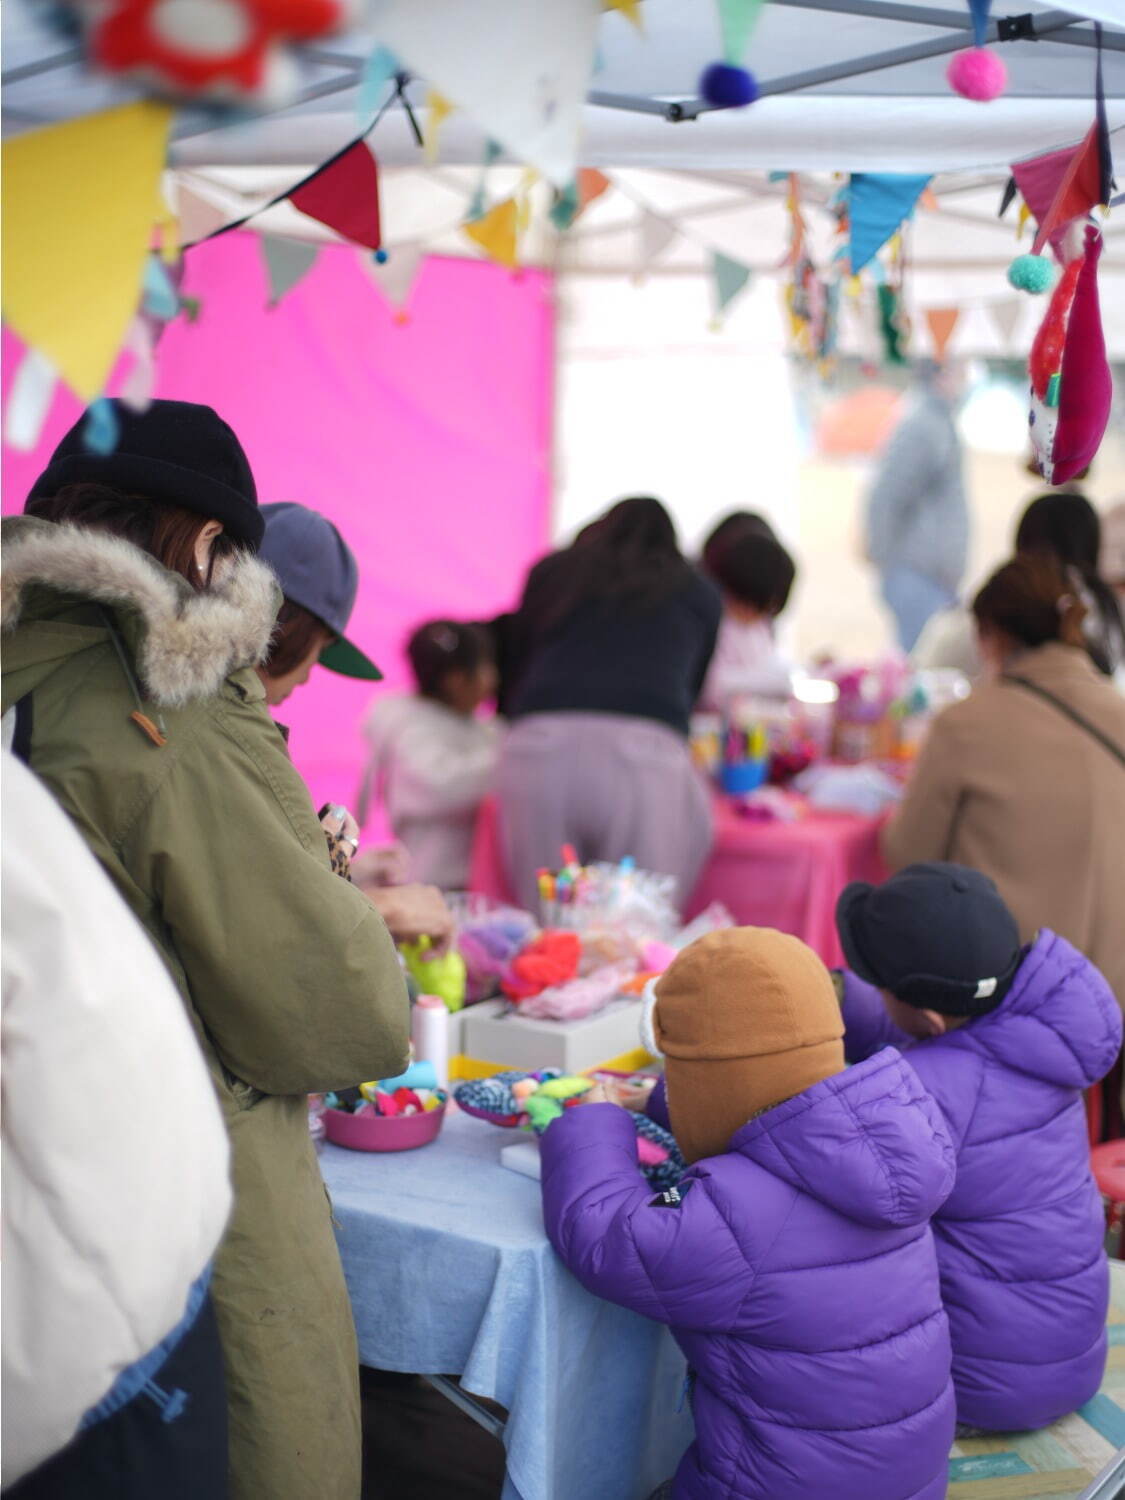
(413, 912)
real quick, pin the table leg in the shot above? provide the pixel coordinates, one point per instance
(468, 1404)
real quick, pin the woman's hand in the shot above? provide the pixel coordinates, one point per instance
(388, 864)
(339, 822)
(412, 912)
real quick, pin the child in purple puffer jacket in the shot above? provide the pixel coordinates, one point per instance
(1005, 1039)
(794, 1263)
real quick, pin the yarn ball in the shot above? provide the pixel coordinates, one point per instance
(1032, 273)
(381, 257)
(977, 74)
(728, 87)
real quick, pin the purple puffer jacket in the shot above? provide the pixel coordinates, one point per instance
(1019, 1240)
(797, 1272)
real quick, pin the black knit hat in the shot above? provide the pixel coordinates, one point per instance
(937, 936)
(176, 451)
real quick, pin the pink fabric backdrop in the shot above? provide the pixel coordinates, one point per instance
(426, 441)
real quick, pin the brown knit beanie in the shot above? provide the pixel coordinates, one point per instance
(745, 1018)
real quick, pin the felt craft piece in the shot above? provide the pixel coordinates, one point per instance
(344, 194)
(496, 1100)
(79, 203)
(444, 976)
(219, 49)
(552, 959)
(579, 998)
(1071, 385)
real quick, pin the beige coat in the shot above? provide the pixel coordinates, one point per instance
(1008, 784)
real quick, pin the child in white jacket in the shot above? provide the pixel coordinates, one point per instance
(432, 759)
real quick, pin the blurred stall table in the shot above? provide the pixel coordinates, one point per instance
(783, 875)
(450, 1273)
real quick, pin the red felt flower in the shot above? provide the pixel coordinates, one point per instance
(223, 47)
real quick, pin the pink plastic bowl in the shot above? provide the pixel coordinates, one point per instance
(372, 1132)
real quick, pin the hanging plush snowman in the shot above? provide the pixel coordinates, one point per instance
(229, 51)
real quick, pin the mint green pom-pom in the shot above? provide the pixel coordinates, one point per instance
(1032, 273)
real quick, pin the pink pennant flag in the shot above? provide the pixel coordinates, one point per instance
(345, 196)
(1060, 186)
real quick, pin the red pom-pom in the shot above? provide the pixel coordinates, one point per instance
(977, 74)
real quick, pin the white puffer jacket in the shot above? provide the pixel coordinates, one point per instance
(115, 1162)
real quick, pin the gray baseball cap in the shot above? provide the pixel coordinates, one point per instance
(317, 570)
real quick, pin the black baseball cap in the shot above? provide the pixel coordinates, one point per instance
(176, 451)
(937, 936)
(317, 570)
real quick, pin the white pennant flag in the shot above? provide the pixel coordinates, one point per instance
(656, 234)
(198, 216)
(527, 91)
(29, 401)
(395, 276)
(1007, 316)
(140, 382)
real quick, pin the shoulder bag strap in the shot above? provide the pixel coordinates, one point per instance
(1065, 708)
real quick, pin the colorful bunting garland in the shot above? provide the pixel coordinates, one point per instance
(287, 263)
(344, 194)
(878, 202)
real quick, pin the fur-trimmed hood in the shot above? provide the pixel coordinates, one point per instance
(185, 643)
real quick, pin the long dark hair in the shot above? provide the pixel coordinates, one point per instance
(1064, 525)
(630, 552)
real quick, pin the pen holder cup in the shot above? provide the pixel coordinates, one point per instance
(740, 776)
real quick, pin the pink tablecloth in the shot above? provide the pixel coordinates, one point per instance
(783, 875)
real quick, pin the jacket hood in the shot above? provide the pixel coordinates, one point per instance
(185, 644)
(1059, 1021)
(869, 1142)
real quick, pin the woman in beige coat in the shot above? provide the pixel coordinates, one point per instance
(1025, 779)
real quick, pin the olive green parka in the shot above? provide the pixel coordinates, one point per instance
(140, 709)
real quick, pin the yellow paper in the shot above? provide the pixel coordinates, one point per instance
(438, 110)
(630, 8)
(79, 205)
(496, 233)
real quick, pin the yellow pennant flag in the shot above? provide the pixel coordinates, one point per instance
(496, 233)
(438, 110)
(78, 214)
(1025, 214)
(630, 8)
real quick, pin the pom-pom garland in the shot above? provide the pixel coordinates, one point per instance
(381, 257)
(977, 74)
(727, 86)
(1032, 273)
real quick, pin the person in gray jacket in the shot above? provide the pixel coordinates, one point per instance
(917, 517)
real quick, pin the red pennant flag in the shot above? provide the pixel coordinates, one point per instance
(1060, 186)
(345, 196)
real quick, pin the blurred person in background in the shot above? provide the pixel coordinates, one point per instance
(917, 516)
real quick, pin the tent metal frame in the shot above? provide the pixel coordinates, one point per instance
(1060, 26)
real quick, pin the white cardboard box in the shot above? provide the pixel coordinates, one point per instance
(493, 1033)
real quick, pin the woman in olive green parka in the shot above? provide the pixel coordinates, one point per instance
(129, 688)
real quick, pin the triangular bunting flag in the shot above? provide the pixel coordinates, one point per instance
(199, 217)
(287, 261)
(730, 277)
(344, 194)
(478, 203)
(528, 91)
(395, 276)
(29, 401)
(438, 110)
(656, 235)
(1007, 316)
(591, 184)
(140, 383)
(630, 8)
(878, 202)
(736, 22)
(942, 321)
(1061, 186)
(496, 233)
(378, 71)
(928, 200)
(78, 214)
(979, 10)
(160, 299)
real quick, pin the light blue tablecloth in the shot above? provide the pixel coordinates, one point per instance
(450, 1272)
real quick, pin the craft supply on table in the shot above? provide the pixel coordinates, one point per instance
(442, 974)
(429, 1034)
(389, 1114)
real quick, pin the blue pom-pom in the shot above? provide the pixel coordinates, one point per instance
(1032, 273)
(381, 256)
(728, 87)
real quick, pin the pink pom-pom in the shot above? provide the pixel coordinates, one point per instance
(977, 74)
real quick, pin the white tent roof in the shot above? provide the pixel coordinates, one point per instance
(846, 85)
